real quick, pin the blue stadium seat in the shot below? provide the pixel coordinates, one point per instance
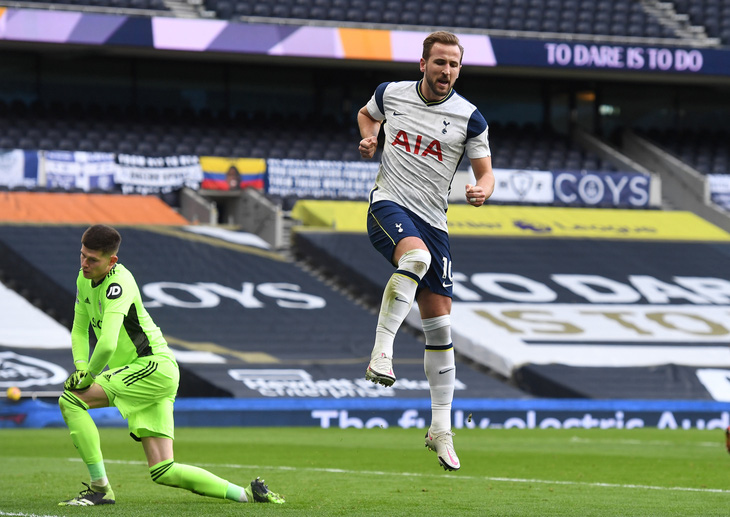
(224, 9)
(601, 28)
(281, 11)
(481, 10)
(618, 29)
(302, 12)
(515, 24)
(354, 15)
(500, 12)
(262, 9)
(406, 18)
(373, 16)
(336, 13)
(584, 28)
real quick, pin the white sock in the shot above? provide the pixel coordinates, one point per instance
(393, 312)
(101, 482)
(398, 296)
(440, 368)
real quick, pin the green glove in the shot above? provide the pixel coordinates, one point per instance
(80, 380)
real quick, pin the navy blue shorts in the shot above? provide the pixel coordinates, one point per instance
(389, 222)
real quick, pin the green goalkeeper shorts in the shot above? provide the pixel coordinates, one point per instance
(144, 392)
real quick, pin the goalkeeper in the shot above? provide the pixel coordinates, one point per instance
(141, 382)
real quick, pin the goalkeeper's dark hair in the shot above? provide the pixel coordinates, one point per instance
(101, 237)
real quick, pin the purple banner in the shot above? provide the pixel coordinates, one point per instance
(610, 57)
(340, 43)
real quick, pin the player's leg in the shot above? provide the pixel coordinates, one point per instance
(394, 235)
(440, 369)
(85, 437)
(434, 304)
(165, 471)
(148, 403)
(413, 260)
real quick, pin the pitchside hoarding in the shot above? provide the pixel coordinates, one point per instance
(406, 414)
(569, 188)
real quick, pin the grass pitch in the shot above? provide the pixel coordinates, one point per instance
(387, 472)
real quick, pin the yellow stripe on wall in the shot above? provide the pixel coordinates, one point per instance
(535, 222)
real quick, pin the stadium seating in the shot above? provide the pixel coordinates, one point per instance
(593, 17)
(714, 15)
(521, 147)
(142, 7)
(705, 151)
(621, 18)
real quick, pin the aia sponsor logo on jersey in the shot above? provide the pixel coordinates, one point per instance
(417, 147)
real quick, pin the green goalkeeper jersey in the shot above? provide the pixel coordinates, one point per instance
(116, 300)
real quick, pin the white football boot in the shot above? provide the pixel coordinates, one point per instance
(443, 445)
(380, 370)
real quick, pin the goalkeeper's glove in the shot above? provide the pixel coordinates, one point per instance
(80, 380)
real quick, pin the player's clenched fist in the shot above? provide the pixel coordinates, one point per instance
(475, 195)
(368, 146)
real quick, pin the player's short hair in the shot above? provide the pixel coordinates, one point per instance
(101, 237)
(443, 37)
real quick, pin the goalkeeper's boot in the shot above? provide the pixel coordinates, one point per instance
(258, 492)
(92, 496)
(443, 445)
(380, 370)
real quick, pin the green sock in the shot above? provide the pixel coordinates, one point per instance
(97, 473)
(84, 434)
(190, 478)
(236, 493)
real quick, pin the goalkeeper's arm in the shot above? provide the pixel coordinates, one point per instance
(80, 340)
(106, 343)
(87, 369)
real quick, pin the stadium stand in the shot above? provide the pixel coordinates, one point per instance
(703, 22)
(622, 18)
(713, 15)
(520, 146)
(525, 145)
(706, 151)
(125, 7)
(234, 299)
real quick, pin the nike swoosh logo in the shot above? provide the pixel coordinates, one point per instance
(400, 300)
(445, 370)
(396, 114)
(453, 461)
(446, 285)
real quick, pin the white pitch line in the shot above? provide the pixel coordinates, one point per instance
(657, 443)
(441, 476)
(10, 514)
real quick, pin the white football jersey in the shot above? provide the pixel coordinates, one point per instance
(424, 144)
